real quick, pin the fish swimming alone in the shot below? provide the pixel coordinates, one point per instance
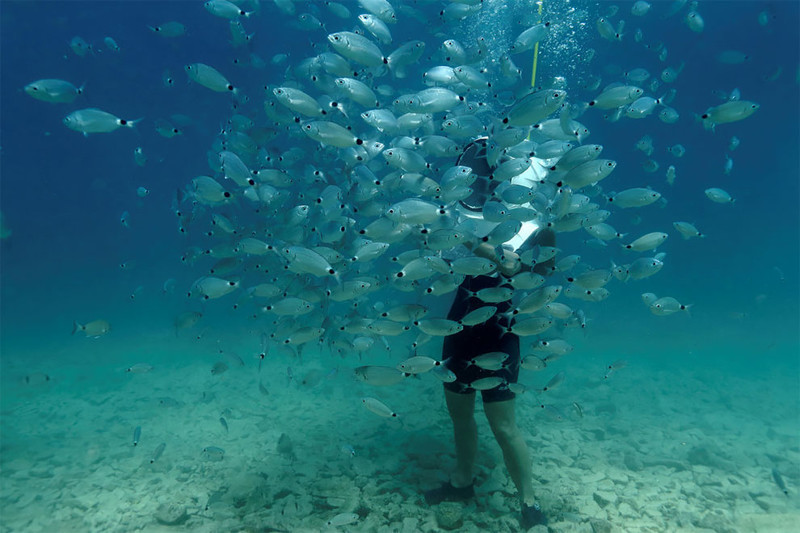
(94, 329)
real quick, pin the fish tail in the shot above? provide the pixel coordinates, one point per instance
(76, 327)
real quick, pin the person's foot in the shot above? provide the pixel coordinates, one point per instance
(532, 515)
(449, 493)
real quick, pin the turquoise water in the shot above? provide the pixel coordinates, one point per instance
(684, 438)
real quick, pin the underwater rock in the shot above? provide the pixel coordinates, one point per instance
(449, 515)
(603, 498)
(708, 455)
(600, 526)
(633, 462)
(498, 504)
(410, 525)
(716, 521)
(171, 514)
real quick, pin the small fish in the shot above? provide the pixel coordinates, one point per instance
(554, 382)
(552, 412)
(286, 447)
(209, 77)
(578, 409)
(94, 329)
(517, 388)
(233, 358)
(719, 196)
(53, 91)
(418, 364)
(219, 368)
(224, 423)
(444, 374)
(187, 320)
(687, 230)
(166, 401)
(647, 242)
(79, 46)
(491, 382)
(213, 453)
(139, 368)
(37, 378)
(490, 361)
(169, 29)
(378, 407)
(157, 452)
(613, 367)
(137, 434)
(348, 449)
(380, 375)
(92, 120)
(779, 481)
(111, 44)
(667, 306)
(342, 519)
(532, 362)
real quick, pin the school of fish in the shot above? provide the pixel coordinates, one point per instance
(329, 208)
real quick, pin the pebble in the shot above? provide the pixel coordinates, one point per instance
(600, 526)
(171, 514)
(449, 515)
(604, 498)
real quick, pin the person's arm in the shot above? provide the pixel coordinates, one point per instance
(508, 265)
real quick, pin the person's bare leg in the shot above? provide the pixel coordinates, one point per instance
(503, 422)
(465, 431)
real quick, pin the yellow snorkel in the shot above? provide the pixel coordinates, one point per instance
(540, 3)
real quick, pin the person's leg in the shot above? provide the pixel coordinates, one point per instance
(503, 422)
(465, 431)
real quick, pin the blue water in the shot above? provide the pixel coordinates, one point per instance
(727, 373)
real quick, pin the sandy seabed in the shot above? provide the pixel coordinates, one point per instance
(652, 448)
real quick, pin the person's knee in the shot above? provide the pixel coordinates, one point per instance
(464, 421)
(505, 430)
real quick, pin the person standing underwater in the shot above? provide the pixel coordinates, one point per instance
(461, 349)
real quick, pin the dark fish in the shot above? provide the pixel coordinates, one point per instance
(157, 453)
(552, 412)
(37, 378)
(779, 481)
(139, 368)
(137, 434)
(224, 423)
(187, 320)
(554, 382)
(219, 368)
(213, 453)
(286, 447)
(166, 401)
(233, 358)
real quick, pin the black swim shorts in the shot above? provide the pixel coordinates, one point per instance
(472, 341)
